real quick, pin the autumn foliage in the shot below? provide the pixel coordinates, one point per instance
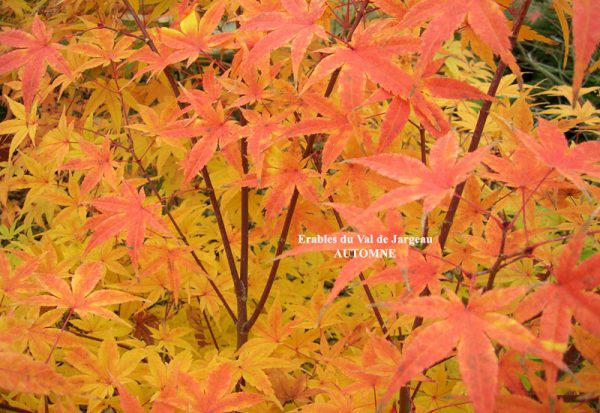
(164, 163)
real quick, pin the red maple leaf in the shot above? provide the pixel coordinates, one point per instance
(98, 162)
(469, 329)
(126, 211)
(571, 295)
(485, 17)
(552, 149)
(298, 24)
(431, 183)
(33, 52)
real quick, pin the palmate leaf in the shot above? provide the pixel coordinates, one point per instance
(553, 150)
(485, 17)
(20, 373)
(469, 329)
(126, 211)
(431, 183)
(97, 161)
(207, 396)
(298, 24)
(79, 296)
(32, 52)
(572, 295)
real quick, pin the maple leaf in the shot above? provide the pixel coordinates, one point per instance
(416, 269)
(261, 131)
(215, 128)
(166, 123)
(253, 87)
(369, 54)
(16, 281)
(36, 332)
(33, 52)
(195, 35)
(275, 329)
(104, 49)
(571, 295)
(467, 327)
(126, 211)
(518, 170)
(173, 260)
(485, 17)
(20, 373)
(129, 403)
(376, 367)
(78, 297)
(339, 123)
(586, 36)
(98, 163)
(213, 395)
(291, 389)
(103, 372)
(283, 176)
(430, 115)
(553, 150)
(432, 183)
(156, 62)
(297, 24)
(24, 124)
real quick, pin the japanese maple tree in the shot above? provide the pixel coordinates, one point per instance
(298, 206)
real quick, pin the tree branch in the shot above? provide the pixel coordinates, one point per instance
(481, 120)
(205, 174)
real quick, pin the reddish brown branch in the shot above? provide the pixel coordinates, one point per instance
(205, 174)
(242, 296)
(481, 120)
(9, 408)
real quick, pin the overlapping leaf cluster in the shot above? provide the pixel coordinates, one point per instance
(161, 158)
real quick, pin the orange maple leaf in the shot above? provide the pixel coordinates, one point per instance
(15, 281)
(126, 211)
(571, 295)
(339, 123)
(297, 24)
(33, 52)
(196, 35)
(469, 328)
(485, 17)
(431, 183)
(20, 373)
(99, 163)
(214, 394)
(369, 54)
(78, 297)
(553, 150)
(586, 36)
(216, 130)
